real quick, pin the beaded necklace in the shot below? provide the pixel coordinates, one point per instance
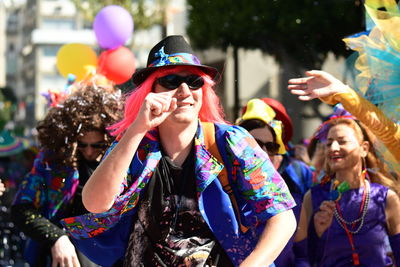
(362, 213)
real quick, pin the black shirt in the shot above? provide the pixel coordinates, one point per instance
(170, 230)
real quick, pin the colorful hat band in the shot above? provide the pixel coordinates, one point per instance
(164, 59)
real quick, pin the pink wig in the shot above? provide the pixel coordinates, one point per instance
(211, 110)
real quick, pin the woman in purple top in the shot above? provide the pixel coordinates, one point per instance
(348, 216)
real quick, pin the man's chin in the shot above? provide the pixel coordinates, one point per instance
(183, 118)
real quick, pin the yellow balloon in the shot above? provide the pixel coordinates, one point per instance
(75, 59)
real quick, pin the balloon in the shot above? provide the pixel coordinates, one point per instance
(117, 65)
(75, 59)
(113, 26)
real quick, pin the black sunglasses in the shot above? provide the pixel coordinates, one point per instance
(98, 145)
(173, 81)
(271, 147)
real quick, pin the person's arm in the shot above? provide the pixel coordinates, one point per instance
(320, 84)
(103, 186)
(393, 223)
(25, 213)
(276, 234)
(29, 220)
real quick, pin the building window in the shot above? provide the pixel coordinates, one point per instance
(11, 48)
(50, 50)
(58, 24)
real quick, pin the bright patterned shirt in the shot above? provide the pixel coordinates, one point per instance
(259, 190)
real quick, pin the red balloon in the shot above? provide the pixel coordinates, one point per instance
(117, 65)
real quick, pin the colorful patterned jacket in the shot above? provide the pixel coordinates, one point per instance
(259, 190)
(48, 188)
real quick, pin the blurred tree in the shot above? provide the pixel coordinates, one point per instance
(143, 14)
(304, 30)
(298, 34)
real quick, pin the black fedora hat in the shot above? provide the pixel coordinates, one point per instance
(171, 51)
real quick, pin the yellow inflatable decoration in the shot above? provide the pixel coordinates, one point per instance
(76, 59)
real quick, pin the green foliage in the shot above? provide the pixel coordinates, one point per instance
(7, 106)
(304, 30)
(143, 16)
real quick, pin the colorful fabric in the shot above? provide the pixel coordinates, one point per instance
(168, 59)
(260, 191)
(379, 57)
(378, 79)
(9, 145)
(48, 188)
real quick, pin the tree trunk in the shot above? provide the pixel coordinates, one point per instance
(236, 106)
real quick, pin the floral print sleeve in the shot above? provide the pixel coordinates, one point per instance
(261, 188)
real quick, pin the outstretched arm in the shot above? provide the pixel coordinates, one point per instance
(320, 84)
(317, 84)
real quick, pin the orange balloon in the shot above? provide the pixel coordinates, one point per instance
(117, 65)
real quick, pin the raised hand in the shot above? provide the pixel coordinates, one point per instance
(63, 253)
(323, 218)
(155, 109)
(317, 84)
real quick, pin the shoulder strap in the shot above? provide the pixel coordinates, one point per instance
(211, 146)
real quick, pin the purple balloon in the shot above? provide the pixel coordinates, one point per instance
(113, 26)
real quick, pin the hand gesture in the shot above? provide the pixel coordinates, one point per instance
(154, 110)
(63, 253)
(323, 218)
(317, 84)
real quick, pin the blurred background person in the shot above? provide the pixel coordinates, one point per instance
(72, 137)
(261, 121)
(2, 187)
(15, 155)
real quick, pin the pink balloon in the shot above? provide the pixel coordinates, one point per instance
(117, 65)
(113, 26)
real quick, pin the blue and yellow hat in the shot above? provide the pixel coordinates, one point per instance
(258, 109)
